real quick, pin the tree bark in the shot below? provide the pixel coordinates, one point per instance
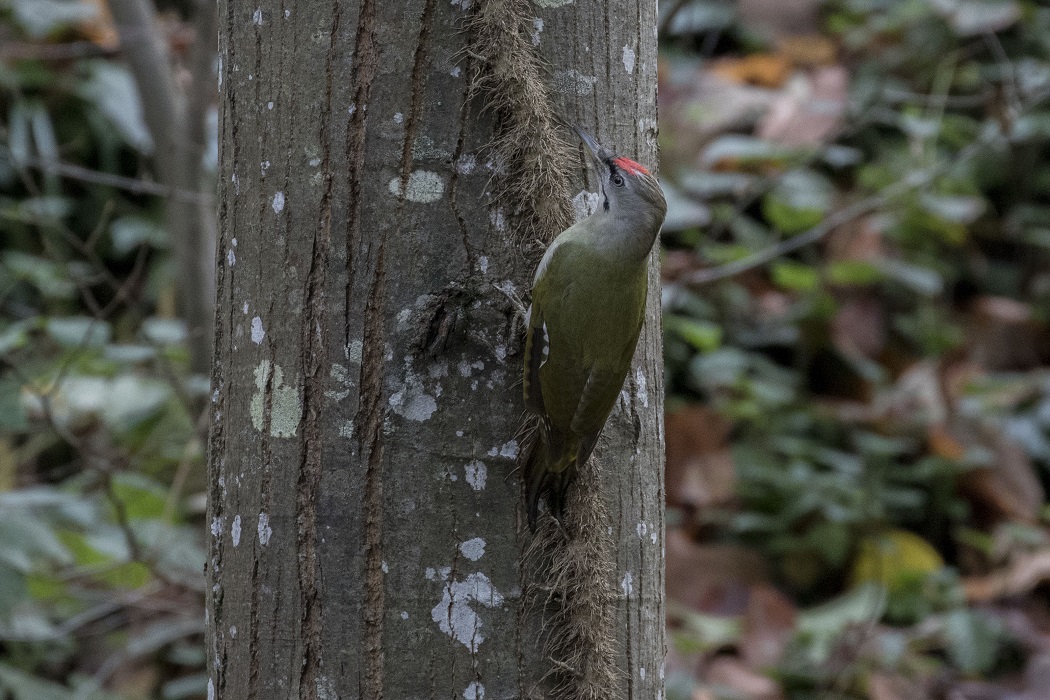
(366, 532)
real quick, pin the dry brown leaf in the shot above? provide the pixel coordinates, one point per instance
(1009, 488)
(760, 69)
(733, 673)
(859, 327)
(712, 578)
(810, 115)
(1002, 310)
(768, 626)
(809, 50)
(675, 263)
(957, 377)
(776, 19)
(699, 465)
(698, 106)
(886, 686)
(941, 442)
(1022, 576)
(99, 29)
(861, 239)
(1003, 335)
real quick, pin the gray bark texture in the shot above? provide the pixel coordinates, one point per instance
(367, 535)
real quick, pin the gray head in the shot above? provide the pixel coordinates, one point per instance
(629, 191)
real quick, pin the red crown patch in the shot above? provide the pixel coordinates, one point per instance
(629, 166)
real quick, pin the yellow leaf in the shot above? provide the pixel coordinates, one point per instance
(893, 558)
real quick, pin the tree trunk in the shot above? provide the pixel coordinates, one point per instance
(367, 540)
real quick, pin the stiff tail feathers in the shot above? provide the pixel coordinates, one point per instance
(549, 468)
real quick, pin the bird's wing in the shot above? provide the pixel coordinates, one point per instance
(596, 403)
(536, 349)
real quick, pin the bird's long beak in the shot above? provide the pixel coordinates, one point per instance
(599, 154)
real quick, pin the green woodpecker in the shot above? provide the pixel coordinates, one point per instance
(588, 304)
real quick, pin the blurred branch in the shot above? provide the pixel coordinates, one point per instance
(176, 122)
(38, 51)
(127, 184)
(668, 18)
(868, 205)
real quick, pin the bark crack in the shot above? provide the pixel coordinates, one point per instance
(363, 64)
(418, 88)
(370, 416)
(313, 359)
(453, 187)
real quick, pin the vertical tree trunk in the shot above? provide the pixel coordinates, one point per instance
(364, 511)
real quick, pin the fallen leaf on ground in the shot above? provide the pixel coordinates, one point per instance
(762, 70)
(1020, 577)
(733, 673)
(1009, 487)
(769, 625)
(699, 465)
(859, 240)
(859, 327)
(712, 578)
(886, 686)
(894, 558)
(776, 19)
(810, 115)
(809, 50)
(99, 29)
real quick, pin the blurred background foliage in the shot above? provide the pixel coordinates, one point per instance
(856, 299)
(101, 467)
(857, 341)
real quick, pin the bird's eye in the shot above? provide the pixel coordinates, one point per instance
(617, 180)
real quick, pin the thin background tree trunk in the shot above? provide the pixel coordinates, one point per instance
(176, 121)
(364, 513)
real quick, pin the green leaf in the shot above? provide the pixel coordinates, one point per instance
(129, 232)
(49, 277)
(129, 353)
(705, 632)
(13, 589)
(822, 625)
(743, 150)
(798, 202)
(955, 209)
(165, 331)
(194, 686)
(794, 276)
(105, 553)
(853, 273)
(39, 18)
(922, 280)
(973, 640)
(131, 400)
(142, 497)
(12, 410)
(45, 209)
(111, 89)
(704, 336)
(78, 331)
(23, 686)
(25, 538)
(719, 368)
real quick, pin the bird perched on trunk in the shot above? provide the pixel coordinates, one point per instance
(588, 304)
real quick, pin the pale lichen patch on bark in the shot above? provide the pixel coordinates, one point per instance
(286, 405)
(455, 614)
